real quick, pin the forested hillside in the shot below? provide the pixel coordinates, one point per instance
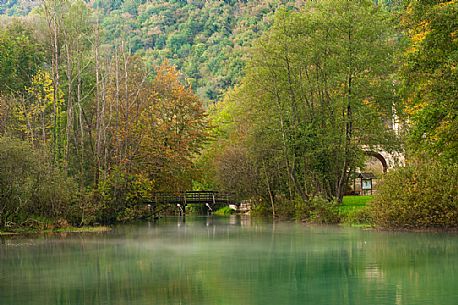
(18, 7)
(205, 40)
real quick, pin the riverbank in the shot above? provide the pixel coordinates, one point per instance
(354, 212)
(86, 229)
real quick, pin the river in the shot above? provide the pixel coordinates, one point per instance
(233, 261)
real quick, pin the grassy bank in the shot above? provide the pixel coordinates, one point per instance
(96, 229)
(353, 203)
(353, 210)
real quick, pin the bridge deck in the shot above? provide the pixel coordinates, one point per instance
(192, 197)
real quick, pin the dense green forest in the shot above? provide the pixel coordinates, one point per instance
(104, 103)
(205, 40)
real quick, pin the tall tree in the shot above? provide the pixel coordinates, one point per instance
(175, 128)
(22, 56)
(76, 58)
(53, 12)
(154, 127)
(318, 86)
(431, 78)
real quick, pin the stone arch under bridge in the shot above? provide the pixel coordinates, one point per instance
(389, 160)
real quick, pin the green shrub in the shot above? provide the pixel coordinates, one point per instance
(361, 216)
(323, 211)
(260, 207)
(133, 213)
(119, 195)
(423, 195)
(17, 170)
(318, 210)
(285, 208)
(224, 211)
(33, 191)
(55, 195)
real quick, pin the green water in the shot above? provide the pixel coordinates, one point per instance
(230, 261)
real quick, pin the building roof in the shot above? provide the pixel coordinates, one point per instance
(366, 176)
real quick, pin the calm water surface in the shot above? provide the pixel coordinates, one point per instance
(230, 261)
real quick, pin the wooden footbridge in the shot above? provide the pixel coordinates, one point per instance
(210, 199)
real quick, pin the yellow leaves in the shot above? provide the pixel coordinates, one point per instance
(412, 109)
(443, 4)
(42, 86)
(453, 68)
(35, 112)
(415, 104)
(370, 104)
(445, 126)
(418, 35)
(42, 89)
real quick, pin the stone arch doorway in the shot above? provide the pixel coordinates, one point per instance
(379, 157)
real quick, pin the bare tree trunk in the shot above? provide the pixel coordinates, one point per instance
(117, 97)
(56, 90)
(51, 14)
(289, 165)
(80, 114)
(29, 125)
(98, 105)
(102, 123)
(69, 127)
(348, 121)
(126, 101)
(269, 190)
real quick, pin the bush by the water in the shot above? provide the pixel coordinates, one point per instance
(316, 210)
(122, 197)
(319, 210)
(424, 195)
(224, 211)
(33, 192)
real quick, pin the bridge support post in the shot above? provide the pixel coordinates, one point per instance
(182, 209)
(185, 203)
(152, 209)
(210, 210)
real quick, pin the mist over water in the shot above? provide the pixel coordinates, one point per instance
(230, 261)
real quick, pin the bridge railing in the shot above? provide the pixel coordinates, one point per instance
(192, 197)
